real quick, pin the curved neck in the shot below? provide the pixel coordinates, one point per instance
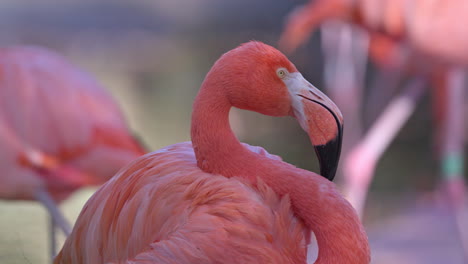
(214, 142)
(340, 236)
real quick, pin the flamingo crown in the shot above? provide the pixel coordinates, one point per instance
(252, 76)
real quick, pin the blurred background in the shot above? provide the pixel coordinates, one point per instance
(152, 57)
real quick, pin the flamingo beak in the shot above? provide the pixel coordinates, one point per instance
(320, 118)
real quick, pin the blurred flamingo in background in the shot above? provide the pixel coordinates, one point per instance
(345, 77)
(216, 200)
(59, 130)
(425, 39)
(412, 22)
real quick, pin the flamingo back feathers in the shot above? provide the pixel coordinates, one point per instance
(163, 209)
(52, 107)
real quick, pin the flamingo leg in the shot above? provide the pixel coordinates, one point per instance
(450, 132)
(382, 87)
(361, 161)
(53, 238)
(45, 199)
(56, 219)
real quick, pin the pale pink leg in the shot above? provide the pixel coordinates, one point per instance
(361, 161)
(451, 134)
(53, 238)
(383, 86)
(44, 198)
(56, 219)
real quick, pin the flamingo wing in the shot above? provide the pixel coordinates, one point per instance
(163, 209)
(55, 109)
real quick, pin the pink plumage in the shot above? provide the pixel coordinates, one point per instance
(168, 209)
(216, 200)
(59, 129)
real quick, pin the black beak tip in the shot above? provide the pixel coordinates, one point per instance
(329, 156)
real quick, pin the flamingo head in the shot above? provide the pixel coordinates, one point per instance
(263, 80)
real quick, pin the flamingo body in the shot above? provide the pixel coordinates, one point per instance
(436, 28)
(59, 129)
(216, 200)
(425, 26)
(164, 208)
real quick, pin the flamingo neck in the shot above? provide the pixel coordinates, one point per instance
(314, 199)
(340, 236)
(216, 147)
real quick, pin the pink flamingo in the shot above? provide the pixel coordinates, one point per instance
(410, 34)
(59, 130)
(423, 37)
(216, 200)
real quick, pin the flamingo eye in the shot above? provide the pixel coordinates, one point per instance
(281, 72)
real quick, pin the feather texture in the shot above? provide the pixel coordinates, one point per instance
(163, 208)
